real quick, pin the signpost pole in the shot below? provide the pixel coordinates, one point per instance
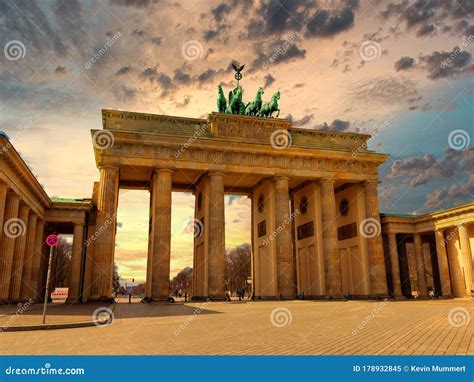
(52, 241)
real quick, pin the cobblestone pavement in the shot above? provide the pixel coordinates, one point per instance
(276, 327)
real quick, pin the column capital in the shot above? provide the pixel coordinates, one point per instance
(112, 167)
(216, 173)
(166, 170)
(327, 180)
(371, 182)
(281, 177)
(13, 195)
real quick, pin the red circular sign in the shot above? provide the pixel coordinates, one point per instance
(52, 240)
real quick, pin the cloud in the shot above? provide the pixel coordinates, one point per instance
(269, 79)
(325, 24)
(383, 90)
(447, 64)
(426, 29)
(60, 71)
(404, 63)
(337, 125)
(303, 121)
(132, 3)
(124, 70)
(275, 53)
(449, 196)
(420, 170)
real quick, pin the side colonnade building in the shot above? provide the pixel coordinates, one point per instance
(316, 227)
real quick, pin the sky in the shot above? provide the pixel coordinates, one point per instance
(399, 70)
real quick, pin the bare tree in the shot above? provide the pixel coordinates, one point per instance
(61, 264)
(238, 266)
(183, 281)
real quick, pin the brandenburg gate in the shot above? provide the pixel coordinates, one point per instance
(311, 192)
(316, 230)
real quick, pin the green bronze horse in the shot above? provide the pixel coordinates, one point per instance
(236, 106)
(269, 108)
(253, 108)
(221, 101)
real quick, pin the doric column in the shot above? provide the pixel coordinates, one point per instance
(37, 257)
(106, 227)
(161, 231)
(467, 254)
(286, 283)
(443, 263)
(7, 244)
(332, 259)
(3, 200)
(216, 276)
(420, 265)
(27, 289)
(378, 281)
(19, 253)
(457, 277)
(76, 262)
(395, 265)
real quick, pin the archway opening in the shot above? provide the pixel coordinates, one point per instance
(131, 245)
(238, 233)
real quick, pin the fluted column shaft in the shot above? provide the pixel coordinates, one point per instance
(3, 200)
(457, 277)
(378, 281)
(37, 257)
(467, 254)
(443, 263)
(19, 254)
(7, 245)
(420, 265)
(216, 261)
(27, 289)
(332, 259)
(76, 262)
(106, 226)
(161, 231)
(395, 265)
(286, 282)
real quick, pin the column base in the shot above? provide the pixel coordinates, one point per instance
(76, 300)
(150, 300)
(110, 300)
